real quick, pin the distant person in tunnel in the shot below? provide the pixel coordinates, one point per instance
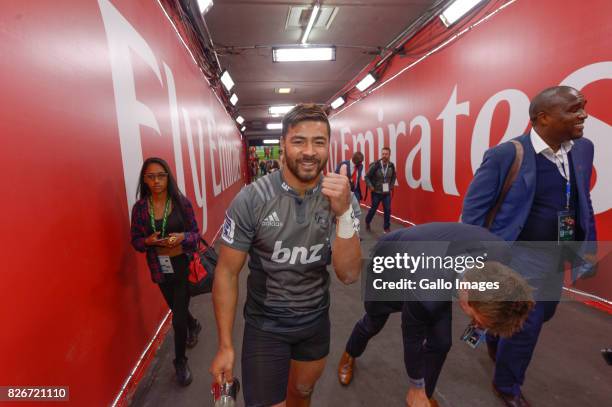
(354, 169)
(263, 170)
(380, 179)
(549, 201)
(274, 166)
(284, 223)
(165, 228)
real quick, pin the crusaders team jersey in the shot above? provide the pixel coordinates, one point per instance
(288, 239)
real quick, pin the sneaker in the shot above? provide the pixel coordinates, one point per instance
(387, 230)
(192, 335)
(183, 373)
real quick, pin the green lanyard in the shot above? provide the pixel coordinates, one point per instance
(152, 216)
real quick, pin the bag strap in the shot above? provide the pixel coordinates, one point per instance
(204, 241)
(510, 178)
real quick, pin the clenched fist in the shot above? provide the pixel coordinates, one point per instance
(337, 189)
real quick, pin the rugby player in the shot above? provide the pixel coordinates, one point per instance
(284, 222)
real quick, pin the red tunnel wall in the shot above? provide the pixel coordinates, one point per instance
(440, 115)
(90, 89)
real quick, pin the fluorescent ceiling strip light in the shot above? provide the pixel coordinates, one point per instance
(337, 103)
(270, 141)
(283, 90)
(204, 5)
(280, 110)
(457, 10)
(303, 54)
(431, 52)
(313, 17)
(240, 119)
(274, 126)
(227, 81)
(366, 82)
(234, 99)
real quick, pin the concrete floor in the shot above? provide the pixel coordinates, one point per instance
(567, 369)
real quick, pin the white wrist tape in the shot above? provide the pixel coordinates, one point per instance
(345, 227)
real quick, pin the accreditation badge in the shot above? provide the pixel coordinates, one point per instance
(166, 264)
(385, 187)
(566, 226)
(473, 336)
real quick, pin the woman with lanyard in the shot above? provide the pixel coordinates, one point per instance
(165, 228)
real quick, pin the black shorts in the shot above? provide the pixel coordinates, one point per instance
(266, 359)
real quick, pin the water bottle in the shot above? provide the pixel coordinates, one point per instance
(224, 395)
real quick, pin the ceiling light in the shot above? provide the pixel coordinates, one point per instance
(283, 90)
(234, 99)
(270, 141)
(279, 110)
(204, 5)
(274, 126)
(366, 82)
(457, 10)
(313, 17)
(227, 81)
(337, 103)
(304, 54)
(240, 119)
(243, 128)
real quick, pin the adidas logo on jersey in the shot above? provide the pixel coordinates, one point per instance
(272, 220)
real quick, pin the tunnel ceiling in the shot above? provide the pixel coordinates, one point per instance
(244, 31)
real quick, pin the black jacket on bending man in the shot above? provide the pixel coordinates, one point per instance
(427, 306)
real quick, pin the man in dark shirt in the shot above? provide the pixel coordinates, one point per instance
(426, 313)
(381, 181)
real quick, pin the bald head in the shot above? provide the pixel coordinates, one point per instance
(558, 115)
(548, 99)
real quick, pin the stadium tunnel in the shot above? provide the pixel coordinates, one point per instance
(92, 88)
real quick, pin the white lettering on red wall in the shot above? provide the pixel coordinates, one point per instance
(125, 43)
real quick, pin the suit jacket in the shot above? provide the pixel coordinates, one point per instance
(349, 175)
(488, 181)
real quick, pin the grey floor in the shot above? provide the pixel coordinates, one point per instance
(567, 369)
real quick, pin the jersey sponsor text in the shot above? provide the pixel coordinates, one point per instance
(299, 254)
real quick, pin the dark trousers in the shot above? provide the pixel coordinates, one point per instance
(428, 342)
(366, 328)
(386, 202)
(176, 294)
(514, 353)
(357, 193)
(434, 348)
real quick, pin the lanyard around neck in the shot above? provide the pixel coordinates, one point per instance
(165, 218)
(563, 166)
(383, 169)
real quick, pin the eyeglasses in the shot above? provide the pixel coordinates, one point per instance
(153, 177)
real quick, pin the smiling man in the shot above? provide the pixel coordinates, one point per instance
(284, 222)
(548, 202)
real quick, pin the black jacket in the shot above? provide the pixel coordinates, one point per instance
(375, 177)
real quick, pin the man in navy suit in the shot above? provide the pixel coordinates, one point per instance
(354, 168)
(549, 201)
